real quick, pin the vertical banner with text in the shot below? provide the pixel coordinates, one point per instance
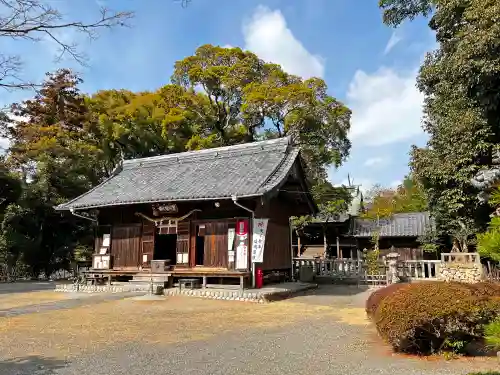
(258, 239)
(242, 244)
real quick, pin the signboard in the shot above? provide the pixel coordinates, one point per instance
(159, 209)
(242, 244)
(258, 239)
(231, 234)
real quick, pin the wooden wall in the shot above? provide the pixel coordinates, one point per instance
(216, 244)
(277, 249)
(125, 246)
(132, 236)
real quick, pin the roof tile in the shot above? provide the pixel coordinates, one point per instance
(411, 224)
(251, 169)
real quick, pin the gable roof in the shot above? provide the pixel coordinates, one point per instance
(245, 170)
(412, 224)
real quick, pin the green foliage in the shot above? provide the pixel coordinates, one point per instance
(488, 243)
(384, 202)
(241, 93)
(462, 107)
(332, 201)
(10, 187)
(492, 334)
(396, 11)
(371, 258)
(430, 317)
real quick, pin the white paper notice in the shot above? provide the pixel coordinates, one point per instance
(106, 239)
(242, 257)
(230, 238)
(258, 239)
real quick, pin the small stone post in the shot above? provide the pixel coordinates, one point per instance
(392, 272)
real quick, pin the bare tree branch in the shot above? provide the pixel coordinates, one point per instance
(36, 21)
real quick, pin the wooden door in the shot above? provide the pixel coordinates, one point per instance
(216, 245)
(182, 249)
(147, 244)
(125, 246)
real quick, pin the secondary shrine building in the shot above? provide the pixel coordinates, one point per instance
(200, 213)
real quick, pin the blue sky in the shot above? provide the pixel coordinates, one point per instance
(367, 65)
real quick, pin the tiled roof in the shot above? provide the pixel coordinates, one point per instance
(412, 224)
(245, 170)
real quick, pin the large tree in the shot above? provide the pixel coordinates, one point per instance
(246, 98)
(462, 106)
(39, 20)
(56, 157)
(128, 125)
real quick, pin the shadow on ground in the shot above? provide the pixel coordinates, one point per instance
(31, 365)
(25, 286)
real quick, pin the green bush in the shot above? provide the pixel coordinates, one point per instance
(492, 334)
(374, 300)
(431, 317)
(485, 373)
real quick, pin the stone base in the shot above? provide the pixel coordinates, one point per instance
(266, 294)
(105, 288)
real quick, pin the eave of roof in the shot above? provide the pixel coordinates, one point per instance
(245, 171)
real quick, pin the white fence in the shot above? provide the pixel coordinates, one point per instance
(359, 271)
(419, 269)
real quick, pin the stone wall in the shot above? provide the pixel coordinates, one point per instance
(466, 273)
(462, 267)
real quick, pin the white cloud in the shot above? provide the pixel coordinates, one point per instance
(376, 161)
(393, 40)
(386, 105)
(227, 46)
(395, 184)
(267, 35)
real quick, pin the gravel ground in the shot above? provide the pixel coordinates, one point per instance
(318, 344)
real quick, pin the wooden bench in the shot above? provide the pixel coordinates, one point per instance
(193, 283)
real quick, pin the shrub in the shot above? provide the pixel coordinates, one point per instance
(430, 317)
(485, 373)
(486, 288)
(374, 300)
(492, 334)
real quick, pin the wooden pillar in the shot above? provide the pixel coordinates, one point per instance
(242, 284)
(325, 246)
(298, 245)
(204, 282)
(338, 247)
